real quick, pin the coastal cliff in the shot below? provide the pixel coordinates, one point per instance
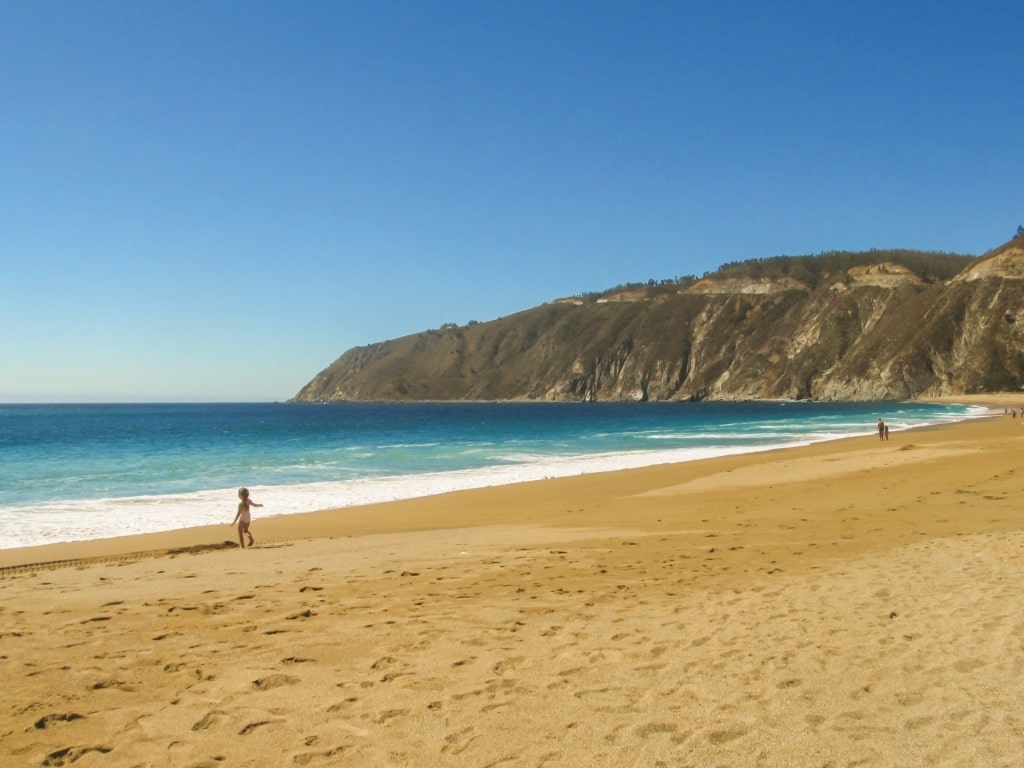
(881, 325)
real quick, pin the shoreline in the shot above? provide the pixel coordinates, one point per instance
(848, 602)
(331, 522)
(150, 507)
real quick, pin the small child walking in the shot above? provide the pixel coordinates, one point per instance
(243, 518)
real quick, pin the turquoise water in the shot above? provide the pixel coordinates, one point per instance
(73, 472)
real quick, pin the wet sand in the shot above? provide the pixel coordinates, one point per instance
(848, 603)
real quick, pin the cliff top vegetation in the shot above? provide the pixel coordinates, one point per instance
(811, 270)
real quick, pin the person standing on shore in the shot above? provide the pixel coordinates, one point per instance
(881, 430)
(243, 517)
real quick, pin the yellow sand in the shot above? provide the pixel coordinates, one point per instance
(855, 603)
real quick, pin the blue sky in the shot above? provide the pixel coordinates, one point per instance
(214, 200)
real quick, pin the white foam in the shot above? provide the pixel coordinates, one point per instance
(82, 520)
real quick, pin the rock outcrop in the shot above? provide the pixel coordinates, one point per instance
(872, 331)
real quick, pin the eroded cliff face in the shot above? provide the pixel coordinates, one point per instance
(870, 333)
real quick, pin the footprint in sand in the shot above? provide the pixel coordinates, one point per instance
(343, 705)
(250, 727)
(210, 719)
(653, 729)
(390, 714)
(726, 735)
(274, 681)
(45, 722)
(458, 741)
(508, 666)
(304, 758)
(70, 755)
(121, 686)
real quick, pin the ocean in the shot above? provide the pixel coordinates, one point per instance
(78, 472)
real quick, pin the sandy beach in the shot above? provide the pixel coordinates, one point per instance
(853, 603)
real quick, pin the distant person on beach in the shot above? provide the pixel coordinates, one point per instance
(886, 431)
(243, 518)
(881, 430)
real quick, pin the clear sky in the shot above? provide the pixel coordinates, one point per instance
(213, 200)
